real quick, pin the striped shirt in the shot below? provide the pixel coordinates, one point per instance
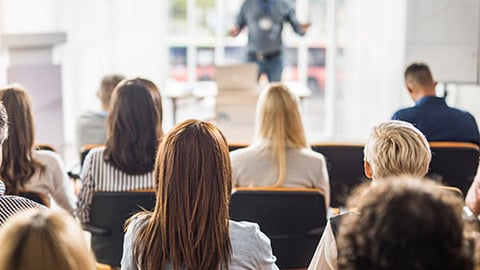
(11, 205)
(99, 175)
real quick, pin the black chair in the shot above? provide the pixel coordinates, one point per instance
(345, 169)
(454, 163)
(108, 213)
(36, 197)
(236, 145)
(293, 219)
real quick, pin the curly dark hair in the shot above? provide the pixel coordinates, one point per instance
(404, 224)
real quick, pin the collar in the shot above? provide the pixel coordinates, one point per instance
(430, 99)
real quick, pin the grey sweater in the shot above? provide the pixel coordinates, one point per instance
(250, 247)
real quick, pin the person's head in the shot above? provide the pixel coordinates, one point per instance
(278, 122)
(17, 164)
(134, 126)
(44, 239)
(189, 225)
(107, 85)
(396, 148)
(419, 81)
(404, 224)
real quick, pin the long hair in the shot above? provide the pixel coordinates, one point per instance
(18, 165)
(133, 125)
(43, 239)
(280, 124)
(157, 99)
(188, 228)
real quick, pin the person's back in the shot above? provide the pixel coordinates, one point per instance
(189, 227)
(126, 161)
(91, 126)
(25, 169)
(393, 148)
(431, 114)
(280, 156)
(402, 224)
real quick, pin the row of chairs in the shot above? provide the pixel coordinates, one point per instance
(293, 219)
(453, 164)
(300, 212)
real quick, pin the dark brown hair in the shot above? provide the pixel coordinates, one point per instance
(188, 228)
(419, 72)
(18, 165)
(404, 224)
(133, 125)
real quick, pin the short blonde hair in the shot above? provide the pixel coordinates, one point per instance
(279, 122)
(44, 239)
(397, 148)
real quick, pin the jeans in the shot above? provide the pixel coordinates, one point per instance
(272, 67)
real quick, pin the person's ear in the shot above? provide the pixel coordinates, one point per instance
(367, 169)
(435, 84)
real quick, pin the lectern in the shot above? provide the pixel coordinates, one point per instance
(31, 65)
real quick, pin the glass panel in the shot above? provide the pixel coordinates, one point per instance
(290, 63)
(234, 54)
(206, 19)
(177, 17)
(205, 63)
(178, 63)
(316, 70)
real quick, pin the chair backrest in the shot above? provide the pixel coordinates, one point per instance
(345, 169)
(44, 146)
(454, 163)
(36, 197)
(108, 213)
(84, 149)
(293, 219)
(236, 145)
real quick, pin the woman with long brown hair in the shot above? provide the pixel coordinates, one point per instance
(126, 161)
(23, 168)
(189, 227)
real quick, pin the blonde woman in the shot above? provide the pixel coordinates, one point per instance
(280, 156)
(44, 240)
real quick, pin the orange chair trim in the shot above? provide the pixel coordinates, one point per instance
(279, 189)
(90, 146)
(337, 144)
(454, 145)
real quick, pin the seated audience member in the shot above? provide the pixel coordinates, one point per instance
(190, 227)
(280, 156)
(23, 168)
(10, 205)
(431, 114)
(393, 148)
(472, 200)
(126, 161)
(44, 239)
(404, 224)
(91, 126)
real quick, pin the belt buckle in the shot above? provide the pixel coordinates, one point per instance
(260, 56)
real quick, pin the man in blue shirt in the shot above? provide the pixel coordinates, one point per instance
(431, 114)
(264, 19)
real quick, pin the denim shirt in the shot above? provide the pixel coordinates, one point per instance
(264, 19)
